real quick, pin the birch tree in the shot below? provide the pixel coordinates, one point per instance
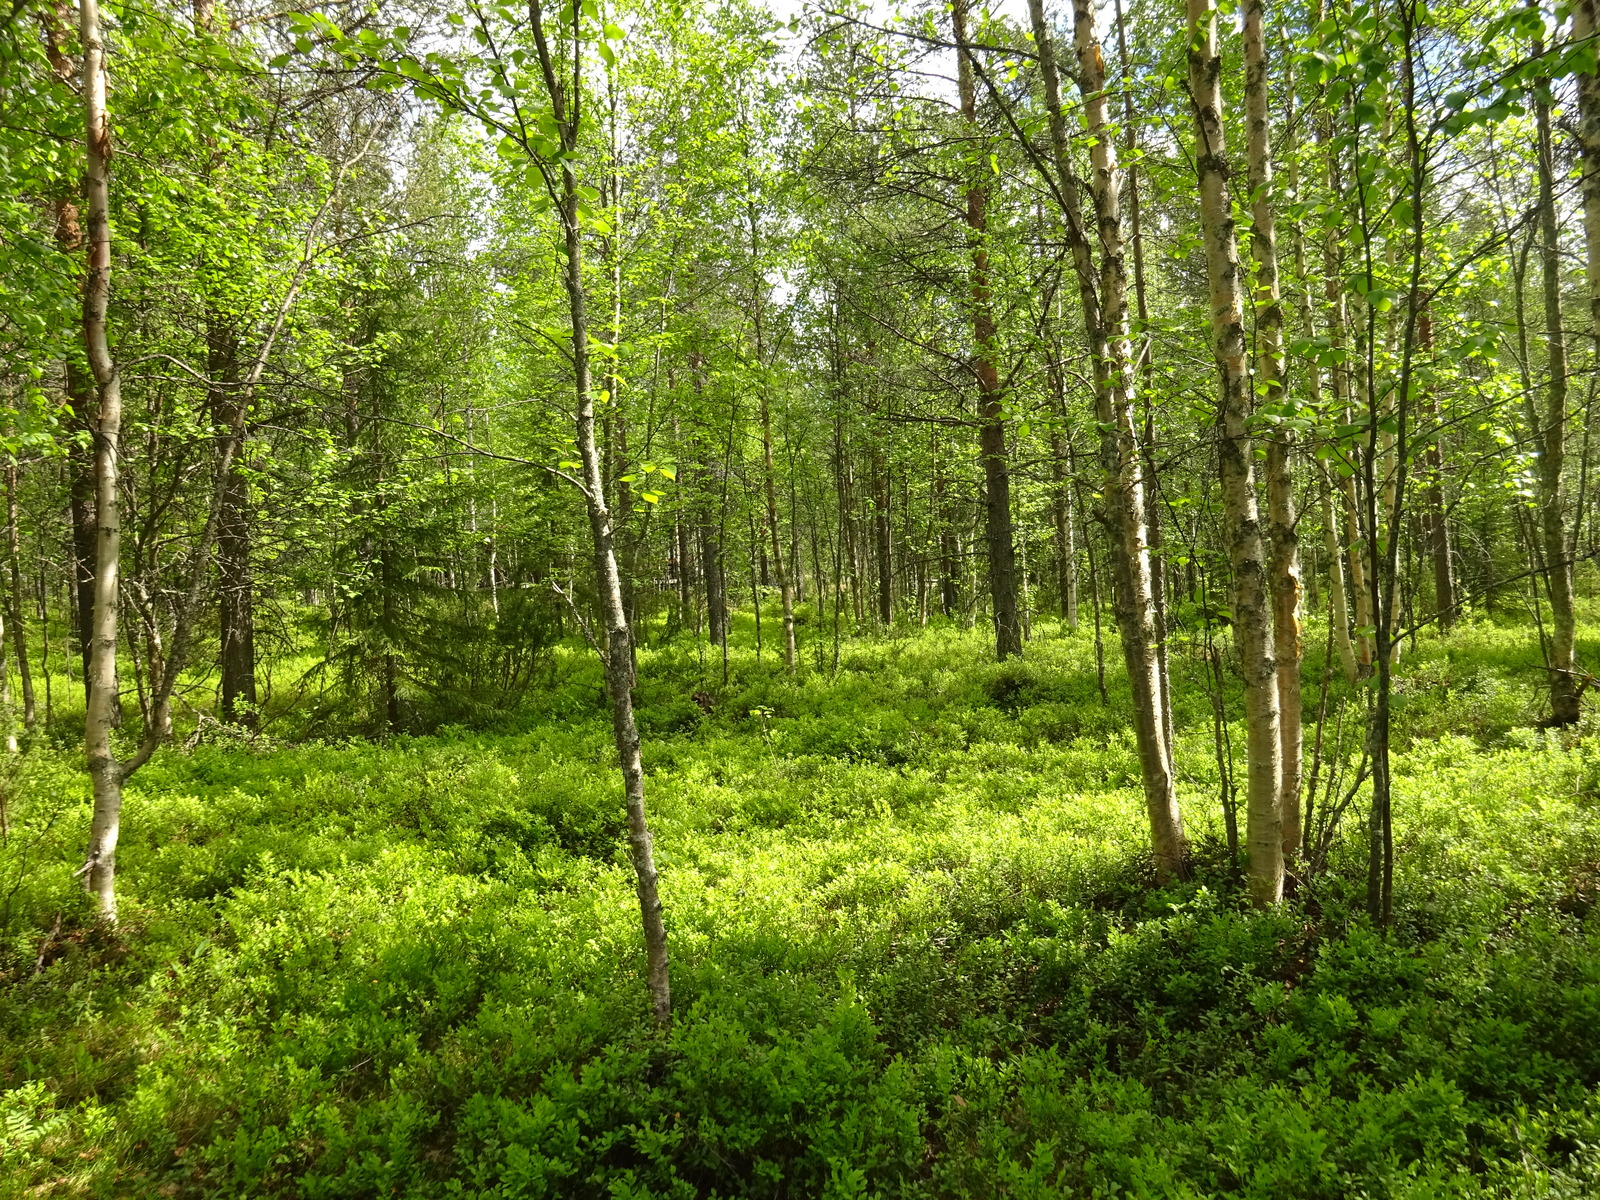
(1103, 296)
(536, 103)
(1252, 591)
(1271, 393)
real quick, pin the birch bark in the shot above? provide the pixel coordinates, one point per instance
(619, 677)
(1252, 593)
(101, 714)
(1103, 294)
(1283, 543)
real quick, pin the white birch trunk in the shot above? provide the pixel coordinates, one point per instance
(1284, 566)
(1252, 593)
(102, 712)
(1104, 298)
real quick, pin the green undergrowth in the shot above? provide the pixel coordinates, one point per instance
(916, 951)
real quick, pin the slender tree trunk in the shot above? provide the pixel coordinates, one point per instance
(944, 519)
(1099, 639)
(1585, 26)
(844, 481)
(618, 646)
(1386, 497)
(1353, 548)
(712, 575)
(101, 714)
(680, 537)
(1066, 542)
(1283, 543)
(1436, 514)
(1104, 299)
(1338, 598)
(1584, 29)
(779, 563)
(991, 411)
(1145, 360)
(226, 403)
(80, 499)
(710, 539)
(19, 638)
(1552, 440)
(882, 537)
(235, 582)
(1252, 592)
(82, 399)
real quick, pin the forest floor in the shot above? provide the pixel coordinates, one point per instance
(916, 951)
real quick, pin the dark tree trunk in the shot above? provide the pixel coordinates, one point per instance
(19, 638)
(991, 410)
(1435, 513)
(235, 583)
(80, 500)
(881, 536)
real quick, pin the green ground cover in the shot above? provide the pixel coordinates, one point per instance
(916, 952)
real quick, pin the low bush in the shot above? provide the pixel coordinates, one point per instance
(916, 953)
